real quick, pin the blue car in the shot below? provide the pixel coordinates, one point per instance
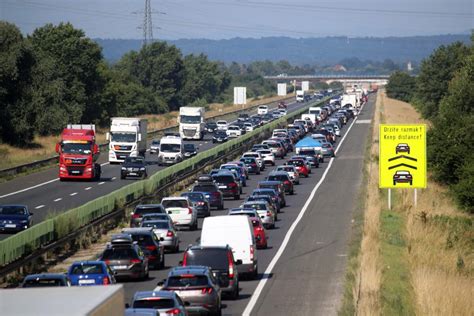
(232, 167)
(14, 218)
(86, 273)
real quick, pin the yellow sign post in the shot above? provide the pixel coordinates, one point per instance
(402, 156)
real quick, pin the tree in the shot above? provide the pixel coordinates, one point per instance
(158, 67)
(67, 81)
(16, 63)
(336, 85)
(435, 74)
(400, 86)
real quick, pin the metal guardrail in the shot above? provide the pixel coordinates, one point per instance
(8, 172)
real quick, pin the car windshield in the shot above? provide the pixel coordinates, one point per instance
(205, 188)
(143, 240)
(87, 268)
(119, 254)
(273, 145)
(194, 196)
(189, 147)
(187, 280)
(83, 148)
(213, 258)
(223, 179)
(307, 152)
(170, 148)
(123, 137)
(12, 210)
(248, 160)
(257, 206)
(156, 224)
(175, 203)
(158, 216)
(155, 142)
(148, 210)
(297, 163)
(43, 282)
(154, 302)
(279, 177)
(255, 223)
(188, 119)
(135, 160)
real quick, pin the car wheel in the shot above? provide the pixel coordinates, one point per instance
(411, 182)
(273, 163)
(258, 172)
(221, 207)
(162, 263)
(176, 249)
(394, 182)
(255, 274)
(292, 192)
(122, 177)
(237, 197)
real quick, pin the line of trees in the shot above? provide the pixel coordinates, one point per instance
(444, 94)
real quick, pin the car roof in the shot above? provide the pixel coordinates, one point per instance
(200, 247)
(174, 198)
(143, 294)
(188, 269)
(88, 262)
(148, 206)
(137, 230)
(275, 173)
(45, 275)
(269, 182)
(255, 202)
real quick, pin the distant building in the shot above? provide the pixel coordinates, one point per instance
(409, 66)
(339, 68)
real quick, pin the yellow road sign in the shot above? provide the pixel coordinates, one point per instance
(402, 156)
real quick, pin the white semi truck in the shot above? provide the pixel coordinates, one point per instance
(127, 137)
(191, 122)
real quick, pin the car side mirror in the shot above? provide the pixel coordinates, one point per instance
(107, 136)
(180, 263)
(169, 212)
(31, 214)
(238, 262)
(162, 239)
(127, 305)
(161, 283)
(187, 303)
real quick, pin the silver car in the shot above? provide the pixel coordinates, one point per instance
(164, 229)
(292, 173)
(163, 302)
(264, 210)
(155, 146)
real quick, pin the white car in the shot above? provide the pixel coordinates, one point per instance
(262, 110)
(283, 112)
(181, 211)
(292, 173)
(248, 126)
(222, 125)
(268, 156)
(257, 156)
(233, 131)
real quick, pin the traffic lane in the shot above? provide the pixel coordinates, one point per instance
(51, 174)
(276, 235)
(308, 278)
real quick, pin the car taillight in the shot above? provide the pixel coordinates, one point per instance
(107, 262)
(217, 194)
(286, 182)
(105, 281)
(269, 213)
(135, 261)
(254, 165)
(151, 248)
(174, 311)
(135, 215)
(190, 210)
(251, 252)
(232, 185)
(231, 266)
(206, 290)
(169, 233)
(185, 258)
(200, 203)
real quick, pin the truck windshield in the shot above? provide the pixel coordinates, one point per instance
(314, 112)
(76, 148)
(170, 148)
(123, 137)
(190, 119)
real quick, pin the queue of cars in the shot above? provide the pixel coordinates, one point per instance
(226, 252)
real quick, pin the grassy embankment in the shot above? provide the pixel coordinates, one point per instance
(43, 147)
(412, 259)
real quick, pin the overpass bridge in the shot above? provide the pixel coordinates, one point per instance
(343, 78)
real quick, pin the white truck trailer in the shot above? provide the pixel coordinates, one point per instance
(191, 122)
(127, 137)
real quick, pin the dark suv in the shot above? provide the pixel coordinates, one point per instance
(277, 186)
(283, 177)
(142, 209)
(211, 192)
(125, 258)
(227, 185)
(222, 263)
(149, 243)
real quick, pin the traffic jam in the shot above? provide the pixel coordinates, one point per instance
(234, 210)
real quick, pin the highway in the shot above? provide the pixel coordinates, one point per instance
(302, 271)
(43, 193)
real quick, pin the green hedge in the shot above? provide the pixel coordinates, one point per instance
(23, 243)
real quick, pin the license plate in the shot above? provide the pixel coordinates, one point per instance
(132, 173)
(188, 293)
(75, 172)
(86, 281)
(222, 187)
(10, 225)
(119, 267)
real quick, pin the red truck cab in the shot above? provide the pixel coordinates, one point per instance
(78, 153)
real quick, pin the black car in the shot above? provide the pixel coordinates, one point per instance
(190, 150)
(14, 218)
(149, 243)
(46, 280)
(211, 127)
(211, 192)
(251, 164)
(221, 261)
(243, 117)
(134, 167)
(143, 209)
(220, 136)
(200, 202)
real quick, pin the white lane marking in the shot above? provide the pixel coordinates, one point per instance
(36, 186)
(72, 194)
(100, 183)
(27, 189)
(88, 188)
(200, 144)
(105, 164)
(39, 206)
(206, 142)
(58, 199)
(268, 271)
(113, 178)
(364, 122)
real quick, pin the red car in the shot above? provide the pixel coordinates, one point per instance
(300, 165)
(259, 233)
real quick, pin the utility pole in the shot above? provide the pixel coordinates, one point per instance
(147, 24)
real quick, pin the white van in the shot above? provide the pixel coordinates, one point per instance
(170, 151)
(237, 232)
(262, 110)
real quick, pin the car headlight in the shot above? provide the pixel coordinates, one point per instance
(142, 168)
(24, 222)
(124, 169)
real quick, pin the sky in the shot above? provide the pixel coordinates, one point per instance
(224, 19)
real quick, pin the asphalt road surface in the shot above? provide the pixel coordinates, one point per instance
(302, 271)
(43, 193)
